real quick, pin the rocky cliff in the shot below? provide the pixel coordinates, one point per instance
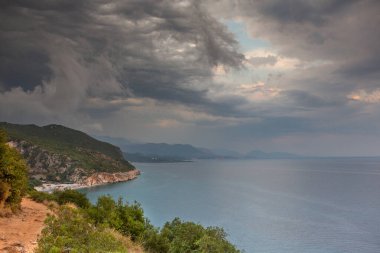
(52, 167)
(106, 178)
(58, 154)
(47, 166)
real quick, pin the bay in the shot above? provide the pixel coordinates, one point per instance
(266, 206)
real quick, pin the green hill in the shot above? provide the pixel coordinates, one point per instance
(58, 153)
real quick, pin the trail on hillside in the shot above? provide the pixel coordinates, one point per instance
(19, 232)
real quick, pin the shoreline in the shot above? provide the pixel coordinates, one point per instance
(96, 179)
(50, 187)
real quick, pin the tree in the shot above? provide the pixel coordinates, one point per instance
(186, 237)
(127, 219)
(13, 175)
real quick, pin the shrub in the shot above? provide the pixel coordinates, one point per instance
(41, 196)
(192, 237)
(34, 182)
(71, 231)
(154, 242)
(133, 222)
(92, 228)
(72, 196)
(127, 219)
(13, 175)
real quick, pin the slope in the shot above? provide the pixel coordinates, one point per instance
(57, 153)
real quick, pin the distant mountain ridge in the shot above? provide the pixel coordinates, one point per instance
(164, 152)
(185, 151)
(61, 154)
(159, 152)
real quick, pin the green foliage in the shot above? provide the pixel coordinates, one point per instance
(13, 175)
(154, 242)
(133, 221)
(61, 197)
(88, 227)
(105, 213)
(72, 196)
(186, 237)
(34, 182)
(41, 196)
(127, 219)
(71, 231)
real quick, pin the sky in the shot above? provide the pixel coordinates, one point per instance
(300, 76)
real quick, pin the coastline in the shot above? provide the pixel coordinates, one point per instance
(50, 187)
(96, 179)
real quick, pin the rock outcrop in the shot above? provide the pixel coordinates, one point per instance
(47, 166)
(100, 178)
(56, 168)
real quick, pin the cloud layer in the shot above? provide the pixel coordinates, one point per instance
(172, 71)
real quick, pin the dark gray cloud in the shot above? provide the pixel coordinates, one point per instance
(102, 63)
(306, 100)
(335, 30)
(155, 49)
(301, 11)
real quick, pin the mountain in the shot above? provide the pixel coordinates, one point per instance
(184, 151)
(163, 152)
(258, 154)
(138, 157)
(159, 152)
(60, 154)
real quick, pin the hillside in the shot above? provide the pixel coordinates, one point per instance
(149, 158)
(60, 154)
(159, 152)
(185, 151)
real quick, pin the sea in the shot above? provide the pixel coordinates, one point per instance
(329, 205)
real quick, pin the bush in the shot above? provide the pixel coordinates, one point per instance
(33, 182)
(13, 175)
(127, 219)
(104, 213)
(132, 218)
(71, 231)
(191, 237)
(154, 242)
(61, 197)
(41, 196)
(72, 196)
(87, 229)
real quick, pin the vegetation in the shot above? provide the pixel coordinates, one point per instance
(57, 138)
(58, 152)
(191, 237)
(106, 226)
(95, 228)
(13, 176)
(70, 231)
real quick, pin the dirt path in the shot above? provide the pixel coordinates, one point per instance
(19, 232)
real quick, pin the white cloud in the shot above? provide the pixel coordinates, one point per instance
(365, 96)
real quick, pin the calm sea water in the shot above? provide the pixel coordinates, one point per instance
(267, 206)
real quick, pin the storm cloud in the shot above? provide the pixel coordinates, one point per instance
(174, 71)
(154, 49)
